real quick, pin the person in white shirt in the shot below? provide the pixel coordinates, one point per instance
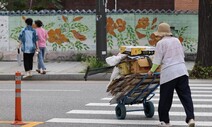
(174, 75)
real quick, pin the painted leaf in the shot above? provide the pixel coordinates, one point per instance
(24, 18)
(153, 27)
(154, 21)
(78, 36)
(64, 18)
(140, 35)
(77, 18)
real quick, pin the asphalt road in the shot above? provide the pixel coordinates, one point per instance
(85, 104)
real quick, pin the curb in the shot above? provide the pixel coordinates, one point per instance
(72, 76)
(80, 77)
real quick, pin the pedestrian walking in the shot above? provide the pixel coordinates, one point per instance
(42, 38)
(28, 43)
(174, 75)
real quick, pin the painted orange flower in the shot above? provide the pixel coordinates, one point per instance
(153, 39)
(110, 26)
(181, 39)
(120, 25)
(57, 36)
(143, 23)
(78, 36)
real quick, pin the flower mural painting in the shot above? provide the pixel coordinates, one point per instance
(144, 28)
(77, 18)
(153, 39)
(75, 31)
(181, 39)
(120, 31)
(78, 36)
(120, 25)
(72, 32)
(110, 26)
(24, 18)
(143, 23)
(55, 36)
(65, 19)
(140, 35)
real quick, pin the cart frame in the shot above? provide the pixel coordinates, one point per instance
(148, 106)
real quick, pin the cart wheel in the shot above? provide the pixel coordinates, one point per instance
(120, 111)
(149, 109)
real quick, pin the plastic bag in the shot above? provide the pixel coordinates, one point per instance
(114, 60)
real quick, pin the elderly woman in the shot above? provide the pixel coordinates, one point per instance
(174, 76)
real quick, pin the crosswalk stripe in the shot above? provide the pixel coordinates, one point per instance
(193, 95)
(202, 88)
(174, 99)
(156, 105)
(192, 91)
(201, 85)
(124, 122)
(104, 112)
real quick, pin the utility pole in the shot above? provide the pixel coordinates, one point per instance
(101, 43)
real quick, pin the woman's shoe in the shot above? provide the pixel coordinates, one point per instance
(38, 70)
(191, 123)
(30, 73)
(26, 75)
(44, 72)
(163, 124)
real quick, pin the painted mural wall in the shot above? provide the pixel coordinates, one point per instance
(77, 32)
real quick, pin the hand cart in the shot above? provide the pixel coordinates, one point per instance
(141, 93)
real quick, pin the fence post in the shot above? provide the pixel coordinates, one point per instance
(18, 115)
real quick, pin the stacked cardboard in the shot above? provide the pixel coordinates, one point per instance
(118, 88)
(132, 70)
(135, 66)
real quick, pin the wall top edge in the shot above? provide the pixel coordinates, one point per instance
(119, 11)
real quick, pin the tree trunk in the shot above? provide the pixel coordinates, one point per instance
(204, 52)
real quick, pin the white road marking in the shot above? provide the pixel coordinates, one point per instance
(202, 85)
(106, 112)
(202, 88)
(141, 105)
(38, 90)
(175, 95)
(174, 99)
(124, 122)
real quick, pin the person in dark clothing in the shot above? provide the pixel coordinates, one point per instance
(28, 39)
(174, 75)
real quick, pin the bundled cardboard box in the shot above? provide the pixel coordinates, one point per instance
(132, 69)
(120, 87)
(134, 66)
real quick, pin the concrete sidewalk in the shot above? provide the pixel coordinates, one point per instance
(65, 70)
